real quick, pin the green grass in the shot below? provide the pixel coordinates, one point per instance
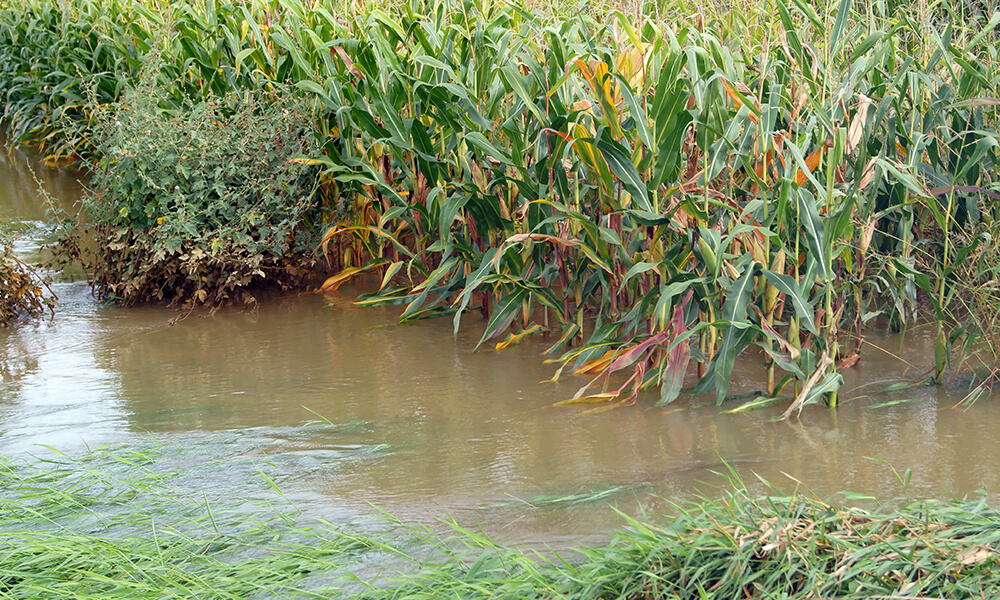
(107, 525)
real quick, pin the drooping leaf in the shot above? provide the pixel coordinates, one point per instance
(506, 309)
(812, 225)
(734, 313)
(516, 338)
(332, 283)
(678, 358)
(788, 286)
(632, 354)
(621, 165)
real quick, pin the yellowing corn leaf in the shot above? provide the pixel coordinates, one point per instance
(335, 282)
(591, 399)
(586, 151)
(569, 334)
(364, 230)
(517, 338)
(597, 365)
(347, 274)
(739, 101)
(857, 127)
(597, 76)
(390, 273)
(632, 65)
(812, 161)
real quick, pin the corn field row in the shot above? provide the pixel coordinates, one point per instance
(651, 193)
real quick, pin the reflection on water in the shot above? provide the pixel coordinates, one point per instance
(20, 178)
(346, 410)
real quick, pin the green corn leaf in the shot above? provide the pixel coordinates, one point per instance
(987, 141)
(843, 12)
(242, 55)
(504, 312)
(472, 282)
(667, 293)
(315, 88)
(831, 382)
(812, 225)
(734, 312)
(788, 286)
(479, 141)
(637, 269)
(513, 79)
(866, 45)
(621, 165)
(810, 13)
(637, 112)
(445, 270)
(449, 210)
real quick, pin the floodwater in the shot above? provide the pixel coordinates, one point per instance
(349, 413)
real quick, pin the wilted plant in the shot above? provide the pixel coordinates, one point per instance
(23, 291)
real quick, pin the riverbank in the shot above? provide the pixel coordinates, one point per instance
(105, 524)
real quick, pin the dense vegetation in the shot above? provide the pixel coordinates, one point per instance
(109, 525)
(202, 204)
(651, 192)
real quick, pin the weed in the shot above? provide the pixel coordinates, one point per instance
(204, 205)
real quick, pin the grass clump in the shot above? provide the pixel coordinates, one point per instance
(794, 547)
(789, 547)
(106, 526)
(109, 525)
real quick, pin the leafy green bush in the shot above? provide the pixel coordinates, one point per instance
(197, 205)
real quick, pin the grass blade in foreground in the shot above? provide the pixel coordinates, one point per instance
(108, 525)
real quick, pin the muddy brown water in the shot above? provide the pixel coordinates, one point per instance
(349, 413)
